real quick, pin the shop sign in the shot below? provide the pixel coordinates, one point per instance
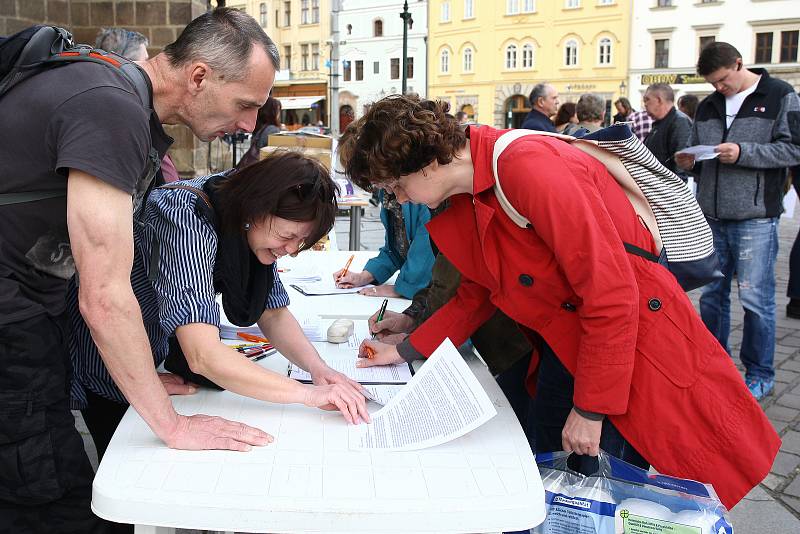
(672, 78)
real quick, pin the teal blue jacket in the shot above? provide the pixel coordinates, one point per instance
(415, 272)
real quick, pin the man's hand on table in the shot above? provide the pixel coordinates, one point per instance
(200, 432)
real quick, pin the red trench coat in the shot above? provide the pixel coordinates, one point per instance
(621, 325)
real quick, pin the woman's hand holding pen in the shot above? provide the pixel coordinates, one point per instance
(343, 397)
(373, 352)
(346, 279)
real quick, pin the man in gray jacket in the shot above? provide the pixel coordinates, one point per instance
(754, 123)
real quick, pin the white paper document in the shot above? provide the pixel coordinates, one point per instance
(700, 152)
(381, 393)
(442, 402)
(325, 287)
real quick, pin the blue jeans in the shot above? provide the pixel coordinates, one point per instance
(747, 249)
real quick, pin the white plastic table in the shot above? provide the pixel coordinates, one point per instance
(308, 480)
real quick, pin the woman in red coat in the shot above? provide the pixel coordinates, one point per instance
(618, 326)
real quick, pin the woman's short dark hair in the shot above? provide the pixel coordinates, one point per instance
(689, 105)
(715, 56)
(399, 135)
(565, 112)
(286, 184)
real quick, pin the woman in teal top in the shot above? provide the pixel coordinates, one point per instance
(407, 249)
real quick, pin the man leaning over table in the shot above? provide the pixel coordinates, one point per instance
(91, 138)
(753, 121)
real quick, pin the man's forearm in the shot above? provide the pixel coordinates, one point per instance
(115, 321)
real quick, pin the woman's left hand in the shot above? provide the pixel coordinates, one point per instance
(373, 352)
(385, 290)
(324, 375)
(581, 435)
(176, 385)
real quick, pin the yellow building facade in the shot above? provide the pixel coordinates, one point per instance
(485, 56)
(301, 29)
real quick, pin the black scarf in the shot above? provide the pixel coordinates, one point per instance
(243, 281)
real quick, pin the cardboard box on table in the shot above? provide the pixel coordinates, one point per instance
(318, 148)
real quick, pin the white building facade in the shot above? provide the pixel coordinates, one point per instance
(372, 53)
(667, 36)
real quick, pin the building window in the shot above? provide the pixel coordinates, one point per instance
(705, 40)
(359, 70)
(571, 53)
(262, 14)
(664, 3)
(394, 73)
(527, 56)
(287, 57)
(571, 4)
(349, 29)
(512, 7)
(409, 67)
(661, 60)
(764, 47)
(605, 2)
(377, 28)
(303, 57)
(467, 60)
(789, 46)
(287, 13)
(511, 56)
(445, 12)
(347, 72)
(315, 11)
(304, 12)
(444, 61)
(314, 56)
(604, 51)
(528, 6)
(469, 9)
(376, 67)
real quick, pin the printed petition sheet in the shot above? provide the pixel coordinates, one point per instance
(442, 402)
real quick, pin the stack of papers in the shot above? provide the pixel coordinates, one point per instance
(325, 288)
(312, 328)
(299, 275)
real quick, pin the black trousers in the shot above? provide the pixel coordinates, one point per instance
(102, 416)
(793, 291)
(45, 475)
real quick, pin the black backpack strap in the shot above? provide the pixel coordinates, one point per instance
(642, 253)
(19, 198)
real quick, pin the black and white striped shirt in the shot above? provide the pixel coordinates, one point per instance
(181, 293)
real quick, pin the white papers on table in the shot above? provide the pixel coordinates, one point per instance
(325, 287)
(312, 328)
(442, 402)
(228, 330)
(700, 152)
(343, 358)
(300, 274)
(382, 393)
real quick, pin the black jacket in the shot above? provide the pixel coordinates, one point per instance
(668, 136)
(536, 120)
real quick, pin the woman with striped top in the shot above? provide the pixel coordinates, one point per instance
(221, 234)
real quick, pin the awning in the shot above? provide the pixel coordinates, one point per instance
(298, 102)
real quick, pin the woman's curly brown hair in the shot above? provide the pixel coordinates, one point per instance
(399, 135)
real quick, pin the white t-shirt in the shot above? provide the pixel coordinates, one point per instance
(734, 103)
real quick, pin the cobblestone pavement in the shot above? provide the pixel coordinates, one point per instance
(774, 505)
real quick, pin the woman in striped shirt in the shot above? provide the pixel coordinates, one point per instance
(221, 234)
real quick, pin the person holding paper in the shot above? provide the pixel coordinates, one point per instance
(623, 362)
(753, 123)
(222, 234)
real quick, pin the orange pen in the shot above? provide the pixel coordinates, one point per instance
(370, 352)
(252, 337)
(346, 266)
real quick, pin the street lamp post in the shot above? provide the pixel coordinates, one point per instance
(407, 22)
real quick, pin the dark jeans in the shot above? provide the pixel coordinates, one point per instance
(512, 384)
(45, 475)
(551, 407)
(102, 416)
(793, 290)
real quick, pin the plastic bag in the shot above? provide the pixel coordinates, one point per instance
(622, 499)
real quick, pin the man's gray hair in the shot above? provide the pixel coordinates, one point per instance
(222, 38)
(539, 91)
(125, 43)
(664, 90)
(590, 108)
